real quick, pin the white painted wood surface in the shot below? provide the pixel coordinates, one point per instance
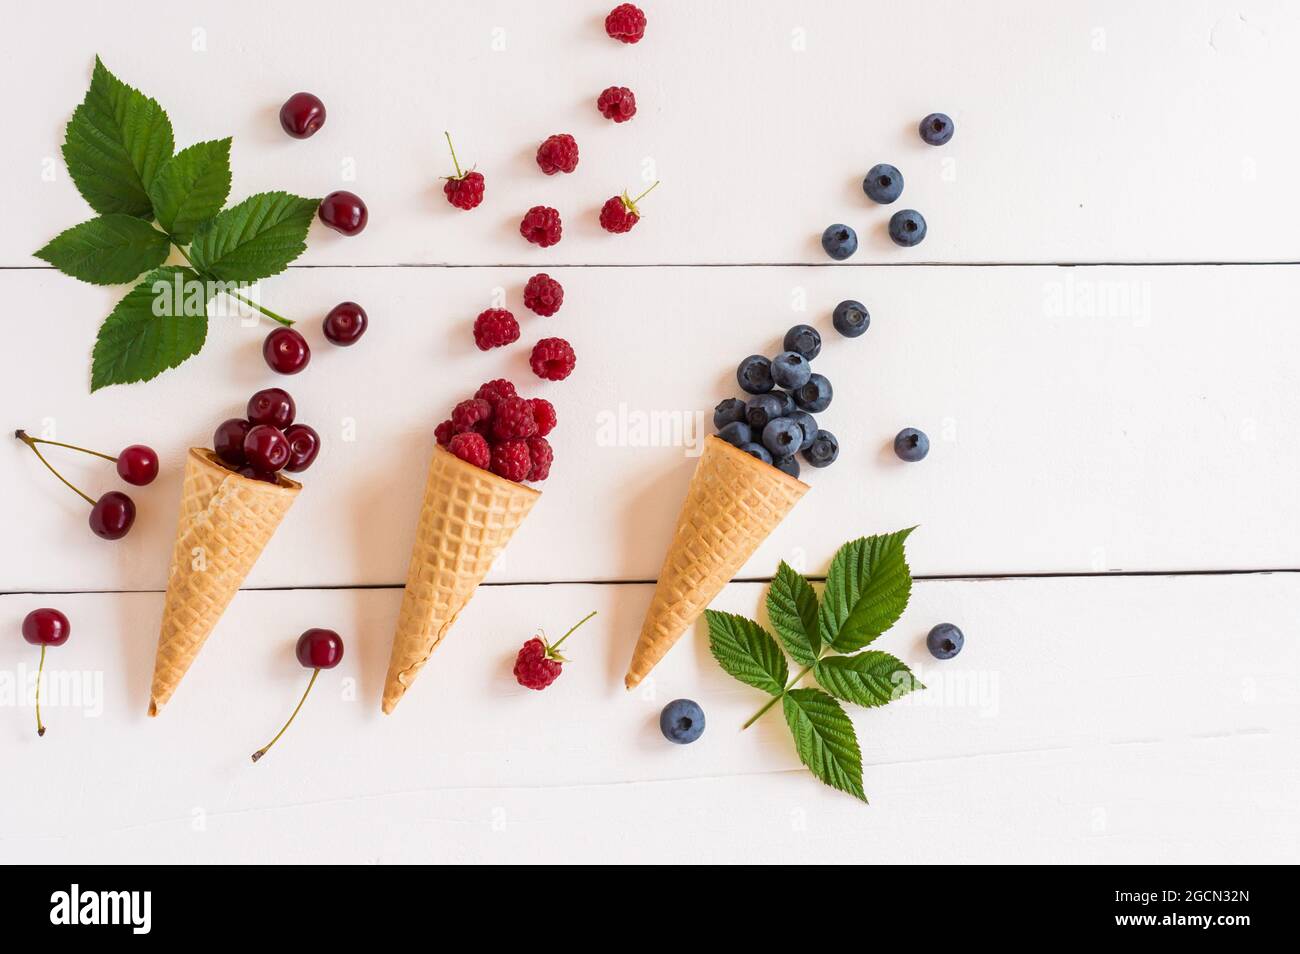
(1112, 419)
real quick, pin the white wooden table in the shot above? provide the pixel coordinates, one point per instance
(1109, 510)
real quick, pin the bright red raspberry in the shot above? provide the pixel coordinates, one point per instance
(472, 448)
(543, 414)
(496, 390)
(625, 23)
(471, 415)
(618, 215)
(494, 328)
(541, 226)
(553, 359)
(617, 103)
(443, 432)
(541, 455)
(466, 191)
(510, 460)
(513, 420)
(558, 153)
(534, 669)
(543, 295)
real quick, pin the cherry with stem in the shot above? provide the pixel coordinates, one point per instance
(44, 627)
(317, 649)
(113, 514)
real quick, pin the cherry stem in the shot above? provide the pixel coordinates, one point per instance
(263, 750)
(288, 323)
(31, 442)
(556, 645)
(40, 729)
(84, 450)
(459, 174)
(645, 193)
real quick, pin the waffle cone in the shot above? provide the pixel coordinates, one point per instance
(225, 522)
(467, 518)
(734, 501)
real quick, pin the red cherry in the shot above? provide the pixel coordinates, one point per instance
(304, 445)
(320, 649)
(112, 515)
(272, 406)
(228, 441)
(138, 465)
(302, 115)
(344, 212)
(286, 351)
(266, 448)
(346, 323)
(46, 627)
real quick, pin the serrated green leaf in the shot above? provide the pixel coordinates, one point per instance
(825, 739)
(254, 239)
(867, 589)
(747, 651)
(115, 143)
(870, 678)
(191, 188)
(792, 608)
(107, 250)
(156, 326)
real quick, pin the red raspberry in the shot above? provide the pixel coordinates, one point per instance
(513, 420)
(618, 215)
(443, 432)
(553, 359)
(534, 669)
(543, 295)
(472, 448)
(494, 328)
(510, 460)
(543, 414)
(465, 189)
(471, 415)
(541, 455)
(558, 153)
(625, 23)
(541, 226)
(617, 103)
(496, 390)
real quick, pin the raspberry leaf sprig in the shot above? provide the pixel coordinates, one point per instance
(118, 148)
(867, 589)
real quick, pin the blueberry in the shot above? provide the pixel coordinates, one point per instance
(911, 444)
(936, 129)
(805, 339)
(737, 432)
(761, 409)
(815, 395)
(851, 318)
(782, 437)
(839, 241)
(945, 641)
(883, 183)
(808, 424)
(787, 403)
(755, 375)
(787, 465)
(757, 450)
(907, 227)
(823, 451)
(682, 721)
(732, 409)
(790, 369)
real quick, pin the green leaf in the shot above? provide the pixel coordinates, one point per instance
(824, 739)
(867, 590)
(107, 250)
(256, 238)
(191, 188)
(156, 326)
(870, 678)
(115, 143)
(792, 608)
(747, 651)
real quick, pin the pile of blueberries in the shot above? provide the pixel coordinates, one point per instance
(777, 421)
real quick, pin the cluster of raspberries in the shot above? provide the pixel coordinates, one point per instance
(552, 358)
(499, 431)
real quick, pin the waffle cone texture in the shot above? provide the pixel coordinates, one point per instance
(467, 517)
(734, 501)
(225, 522)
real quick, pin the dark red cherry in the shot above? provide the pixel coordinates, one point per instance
(301, 115)
(286, 351)
(344, 212)
(345, 323)
(320, 649)
(272, 406)
(304, 445)
(266, 448)
(111, 515)
(46, 627)
(138, 465)
(228, 441)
